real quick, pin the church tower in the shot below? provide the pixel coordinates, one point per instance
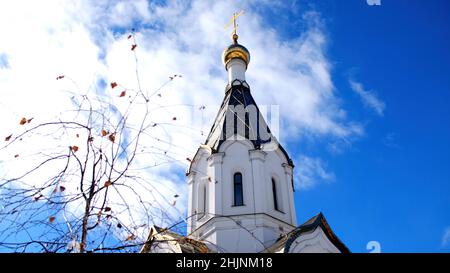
(241, 179)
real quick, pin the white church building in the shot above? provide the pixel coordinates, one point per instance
(240, 181)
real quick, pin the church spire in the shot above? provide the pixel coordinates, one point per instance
(235, 57)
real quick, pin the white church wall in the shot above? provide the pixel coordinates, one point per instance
(244, 233)
(236, 159)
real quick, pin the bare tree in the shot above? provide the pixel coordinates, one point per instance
(83, 190)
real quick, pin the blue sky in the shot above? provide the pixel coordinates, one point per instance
(362, 92)
(393, 184)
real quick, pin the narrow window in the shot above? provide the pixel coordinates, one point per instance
(274, 192)
(202, 202)
(238, 192)
(204, 199)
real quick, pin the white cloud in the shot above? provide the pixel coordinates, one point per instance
(446, 238)
(368, 97)
(87, 40)
(311, 171)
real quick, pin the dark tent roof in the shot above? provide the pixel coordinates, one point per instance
(239, 115)
(319, 220)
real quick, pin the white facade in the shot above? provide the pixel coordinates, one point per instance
(256, 224)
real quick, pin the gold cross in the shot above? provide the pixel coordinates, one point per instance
(235, 25)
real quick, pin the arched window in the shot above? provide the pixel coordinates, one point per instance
(275, 198)
(202, 201)
(238, 190)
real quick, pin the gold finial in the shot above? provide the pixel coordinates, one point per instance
(235, 25)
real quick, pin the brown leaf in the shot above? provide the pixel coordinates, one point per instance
(16, 156)
(78, 135)
(130, 238)
(29, 120)
(23, 121)
(107, 209)
(62, 188)
(133, 47)
(74, 148)
(188, 159)
(123, 93)
(8, 137)
(108, 183)
(112, 137)
(51, 219)
(104, 132)
(209, 179)
(129, 36)
(203, 249)
(60, 77)
(113, 84)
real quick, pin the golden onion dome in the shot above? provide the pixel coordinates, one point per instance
(235, 51)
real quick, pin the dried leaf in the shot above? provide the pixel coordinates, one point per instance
(130, 238)
(8, 137)
(112, 137)
(29, 120)
(23, 121)
(133, 47)
(203, 249)
(113, 84)
(74, 148)
(62, 188)
(16, 156)
(78, 135)
(60, 77)
(51, 219)
(107, 209)
(188, 159)
(104, 132)
(209, 179)
(123, 93)
(129, 36)
(108, 183)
